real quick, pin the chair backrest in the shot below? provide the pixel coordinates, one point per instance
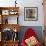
(29, 32)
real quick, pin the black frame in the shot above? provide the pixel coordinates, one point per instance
(31, 18)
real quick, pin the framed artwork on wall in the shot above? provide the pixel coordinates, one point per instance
(30, 13)
(5, 12)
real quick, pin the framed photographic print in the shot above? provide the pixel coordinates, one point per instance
(5, 12)
(30, 13)
(13, 12)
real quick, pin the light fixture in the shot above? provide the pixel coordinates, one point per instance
(15, 3)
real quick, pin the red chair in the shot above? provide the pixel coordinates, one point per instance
(29, 33)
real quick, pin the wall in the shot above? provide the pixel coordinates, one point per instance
(35, 3)
(26, 3)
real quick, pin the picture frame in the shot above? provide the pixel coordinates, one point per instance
(30, 13)
(13, 12)
(5, 12)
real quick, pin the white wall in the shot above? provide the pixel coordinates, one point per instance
(32, 3)
(26, 3)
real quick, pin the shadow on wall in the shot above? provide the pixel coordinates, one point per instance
(37, 29)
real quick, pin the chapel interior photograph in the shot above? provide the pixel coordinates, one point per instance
(22, 22)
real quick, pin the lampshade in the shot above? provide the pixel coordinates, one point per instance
(15, 30)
